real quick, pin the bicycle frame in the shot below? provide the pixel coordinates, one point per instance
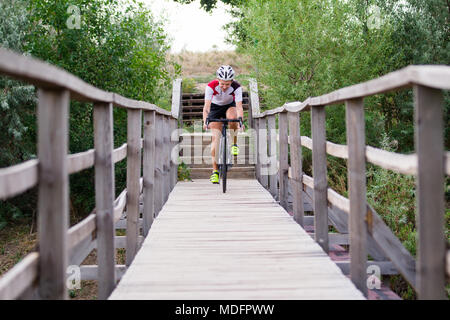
(224, 162)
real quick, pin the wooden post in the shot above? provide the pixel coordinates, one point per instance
(133, 176)
(357, 192)
(158, 194)
(53, 195)
(296, 166)
(253, 102)
(104, 198)
(262, 143)
(258, 155)
(166, 157)
(319, 157)
(272, 156)
(149, 170)
(174, 154)
(177, 109)
(170, 162)
(430, 193)
(283, 156)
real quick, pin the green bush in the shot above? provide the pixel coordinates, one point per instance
(189, 85)
(184, 172)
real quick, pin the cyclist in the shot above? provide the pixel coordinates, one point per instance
(223, 99)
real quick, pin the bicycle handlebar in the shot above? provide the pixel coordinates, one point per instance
(222, 120)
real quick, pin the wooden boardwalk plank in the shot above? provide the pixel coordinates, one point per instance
(240, 245)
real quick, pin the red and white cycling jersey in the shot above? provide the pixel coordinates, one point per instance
(214, 93)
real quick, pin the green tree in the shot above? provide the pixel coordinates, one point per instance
(302, 48)
(209, 5)
(116, 45)
(17, 109)
(421, 35)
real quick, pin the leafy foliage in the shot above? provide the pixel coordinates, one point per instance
(308, 48)
(17, 111)
(209, 5)
(115, 45)
(184, 172)
(303, 48)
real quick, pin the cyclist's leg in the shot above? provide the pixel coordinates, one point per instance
(216, 132)
(234, 126)
(216, 112)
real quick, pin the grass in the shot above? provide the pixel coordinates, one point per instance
(199, 68)
(203, 65)
(16, 242)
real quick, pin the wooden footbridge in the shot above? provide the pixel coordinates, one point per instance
(188, 240)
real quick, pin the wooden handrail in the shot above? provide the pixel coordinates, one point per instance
(45, 278)
(400, 163)
(18, 178)
(396, 252)
(57, 87)
(429, 164)
(44, 75)
(436, 76)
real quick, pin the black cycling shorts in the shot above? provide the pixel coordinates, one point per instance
(219, 112)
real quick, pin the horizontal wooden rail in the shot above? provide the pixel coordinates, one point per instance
(87, 227)
(18, 178)
(80, 161)
(120, 153)
(21, 277)
(433, 76)
(384, 237)
(42, 274)
(21, 177)
(90, 272)
(82, 230)
(400, 163)
(47, 76)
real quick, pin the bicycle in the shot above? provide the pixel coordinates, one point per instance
(225, 162)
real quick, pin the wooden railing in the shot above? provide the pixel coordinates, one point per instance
(365, 232)
(43, 274)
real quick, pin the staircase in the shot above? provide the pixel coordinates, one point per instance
(195, 147)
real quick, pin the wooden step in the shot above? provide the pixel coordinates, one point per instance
(202, 101)
(207, 140)
(199, 114)
(205, 161)
(204, 149)
(186, 96)
(234, 173)
(194, 108)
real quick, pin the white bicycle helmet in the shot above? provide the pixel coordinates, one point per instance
(225, 73)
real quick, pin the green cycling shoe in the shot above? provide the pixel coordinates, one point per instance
(234, 150)
(214, 177)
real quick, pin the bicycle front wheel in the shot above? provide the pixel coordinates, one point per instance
(224, 165)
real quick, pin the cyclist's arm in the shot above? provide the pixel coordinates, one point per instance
(206, 109)
(239, 109)
(238, 100)
(208, 98)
